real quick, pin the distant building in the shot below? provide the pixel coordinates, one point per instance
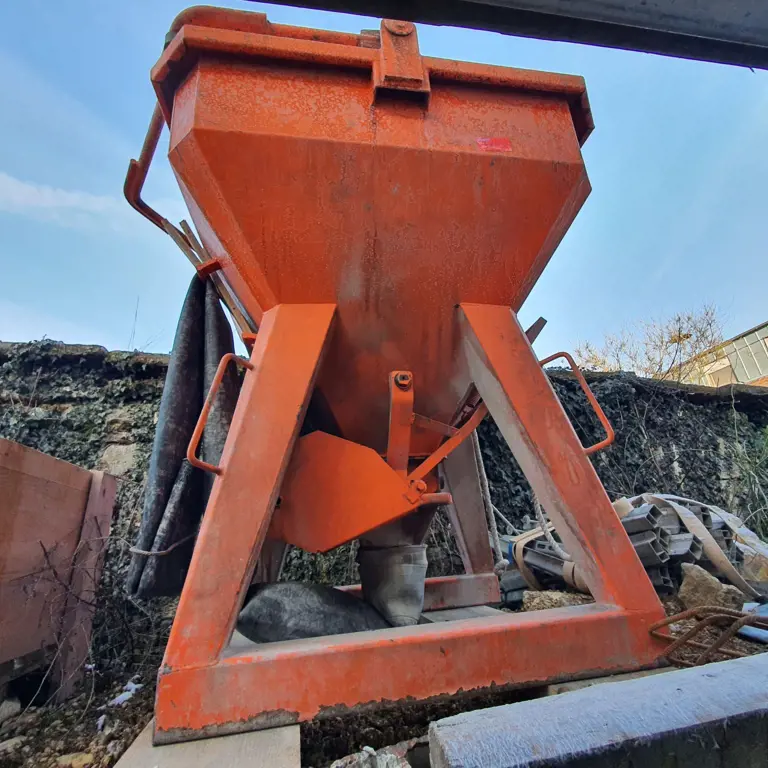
(742, 359)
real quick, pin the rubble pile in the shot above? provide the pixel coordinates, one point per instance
(661, 540)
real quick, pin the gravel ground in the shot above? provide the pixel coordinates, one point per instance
(83, 731)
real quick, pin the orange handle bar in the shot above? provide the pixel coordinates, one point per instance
(138, 170)
(610, 434)
(449, 445)
(200, 426)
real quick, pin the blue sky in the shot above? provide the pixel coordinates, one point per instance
(677, 216)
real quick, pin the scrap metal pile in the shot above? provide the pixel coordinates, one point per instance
(665, 531)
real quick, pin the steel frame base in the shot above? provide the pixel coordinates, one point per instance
(204, 689)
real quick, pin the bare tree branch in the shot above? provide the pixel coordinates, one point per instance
(672, 349)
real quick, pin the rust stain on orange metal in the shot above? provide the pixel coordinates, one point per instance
(524, 406)
(336, 490)
(284, 363)
(601, 417)
(245, 691)
(400, 421)
(207, 405)
(453, 591)
(382, 216)
(308, 188)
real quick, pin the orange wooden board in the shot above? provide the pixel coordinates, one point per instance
(42, 502)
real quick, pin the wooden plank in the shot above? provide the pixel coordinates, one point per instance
(273, 748)
(75, 639)
(467, 513)
(41, 515)
(452, 591)
(27, 461)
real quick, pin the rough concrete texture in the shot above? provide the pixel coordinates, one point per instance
(711, 715)
(9, 707)
(701, 588)
(76, 760)
(271, 748)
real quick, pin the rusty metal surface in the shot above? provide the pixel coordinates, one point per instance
(273, 400)
(310, 187)
(194, 442)
(601, 417)
(347, 178)
(244, 691)
(461, 477)
(336, 490)
(199, 686)
(453, 591)
(138, 170)
(685, 646)
(520, 398)
(400, 421)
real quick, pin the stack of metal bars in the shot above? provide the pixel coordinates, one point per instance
(661, 541)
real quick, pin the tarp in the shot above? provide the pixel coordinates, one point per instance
(176, 493)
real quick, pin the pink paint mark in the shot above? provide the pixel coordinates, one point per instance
(495, 144)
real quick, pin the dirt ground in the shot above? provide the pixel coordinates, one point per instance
(325, 740)
(98, 409)
(84, 731)
(87, 728)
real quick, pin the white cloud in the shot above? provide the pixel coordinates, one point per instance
(75, 208)
(64, 161)
(17, 196)
(68, 208)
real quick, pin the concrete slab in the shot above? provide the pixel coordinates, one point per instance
(240, 643)
(711, 715)
(273, 748)
(453, 614)
(576, 685)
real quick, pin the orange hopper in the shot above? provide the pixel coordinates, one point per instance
(380, 217)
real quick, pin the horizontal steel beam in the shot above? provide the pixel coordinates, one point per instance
(725, 31)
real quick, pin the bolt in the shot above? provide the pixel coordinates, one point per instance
(399, 28)
(403, 381)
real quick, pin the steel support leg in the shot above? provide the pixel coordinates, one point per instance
(526, 409)
(204, 690)
(266, 422)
